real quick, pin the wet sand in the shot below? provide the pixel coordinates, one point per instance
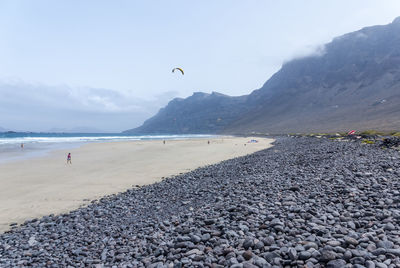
(41, 186)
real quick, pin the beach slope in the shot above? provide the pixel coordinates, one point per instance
(41, 186)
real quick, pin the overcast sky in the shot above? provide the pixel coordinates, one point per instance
(107, 64)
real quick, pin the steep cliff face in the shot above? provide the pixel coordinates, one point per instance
(354, 82)
(199, 113)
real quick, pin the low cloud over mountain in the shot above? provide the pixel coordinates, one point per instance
(352, 82)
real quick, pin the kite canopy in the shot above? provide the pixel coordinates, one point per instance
(173, 70)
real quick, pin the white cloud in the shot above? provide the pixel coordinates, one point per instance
(361, 35)
(308, 51)
(38, 107)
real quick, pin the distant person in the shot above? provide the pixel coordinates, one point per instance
(22, 146)
(208, 142)
(69, 159)
(164, 141)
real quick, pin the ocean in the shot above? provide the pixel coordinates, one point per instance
(40, 144)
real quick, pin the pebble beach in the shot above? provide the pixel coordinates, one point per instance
(305, 202)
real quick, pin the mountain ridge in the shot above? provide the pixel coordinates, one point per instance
(354, 82)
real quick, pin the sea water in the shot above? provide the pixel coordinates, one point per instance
(40, 144)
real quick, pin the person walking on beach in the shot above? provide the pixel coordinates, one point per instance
(69, 159)
(22, 146)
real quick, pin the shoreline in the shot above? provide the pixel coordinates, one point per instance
(32, 151)
(301, 203)
(47, 185)
(39, 145)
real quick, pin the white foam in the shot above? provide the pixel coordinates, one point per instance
(18, 140)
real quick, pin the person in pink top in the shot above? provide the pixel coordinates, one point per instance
(69, 159)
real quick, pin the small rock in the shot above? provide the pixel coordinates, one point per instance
(275, 222)
(294, 188)
(336, 263)
(350, 240)
(249, 265)
(195, 239)
(292, 254)
(369, 264)
(389, 227)
(327, 255)
(395, 252)
(379, 251)
(304, 255)
(385, 244)
(333, 243)
(248, 243)
(247, 255)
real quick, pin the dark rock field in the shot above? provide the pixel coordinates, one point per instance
(306, 202)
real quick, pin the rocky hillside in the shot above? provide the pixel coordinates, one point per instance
(353, 83)
(199, 113)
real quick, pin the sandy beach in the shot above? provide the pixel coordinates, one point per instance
(41, 186)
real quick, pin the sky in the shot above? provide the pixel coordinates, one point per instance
(107, 65)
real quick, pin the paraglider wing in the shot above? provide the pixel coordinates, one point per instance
(173, 70)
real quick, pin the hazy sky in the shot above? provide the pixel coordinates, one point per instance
(107, 64)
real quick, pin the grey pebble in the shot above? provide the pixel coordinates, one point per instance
(305, 202)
